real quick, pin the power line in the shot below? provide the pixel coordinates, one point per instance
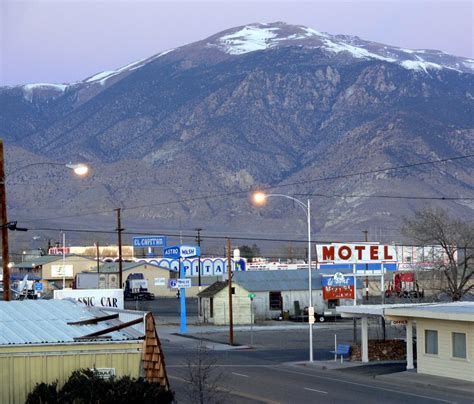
(263, 188)
(436, 198)
(208, 237)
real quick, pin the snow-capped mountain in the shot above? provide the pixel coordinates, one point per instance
(258, 37)
(261, 37)
(261, 104)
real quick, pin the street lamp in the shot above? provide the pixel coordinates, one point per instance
(79, 169)
(260, 198)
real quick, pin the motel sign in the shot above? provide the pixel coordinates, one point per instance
(355, 253)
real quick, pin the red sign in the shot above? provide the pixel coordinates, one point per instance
(355, 253)
(338, 292)
(407, 277)
(58, 250)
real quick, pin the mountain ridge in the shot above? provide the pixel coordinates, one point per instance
(278, 111)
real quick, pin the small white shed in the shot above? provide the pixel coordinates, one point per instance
(214, 304)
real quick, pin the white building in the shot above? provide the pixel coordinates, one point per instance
(445, 335)
(275, 292)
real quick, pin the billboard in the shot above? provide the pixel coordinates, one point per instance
(57, 271)
(93, 297)
(338, 286)
(355, 253)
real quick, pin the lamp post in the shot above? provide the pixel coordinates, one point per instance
(260, 198)
(79, 169)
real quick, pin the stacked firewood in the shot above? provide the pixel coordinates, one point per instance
(381, 350)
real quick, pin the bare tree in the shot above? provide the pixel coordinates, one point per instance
(456, 238)
(204, 378)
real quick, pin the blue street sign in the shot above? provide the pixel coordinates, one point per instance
(38, 287)
(149, 241)
(172, 252)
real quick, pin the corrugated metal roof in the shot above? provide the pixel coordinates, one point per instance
(262, 281)
(126, 266)
(45, 322)
(46, 259)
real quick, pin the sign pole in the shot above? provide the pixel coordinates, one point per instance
(251, 321)
(229, 273)
(180, 252)
(182, 297)
(354, 320)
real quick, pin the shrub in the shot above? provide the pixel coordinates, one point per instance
(84, 387)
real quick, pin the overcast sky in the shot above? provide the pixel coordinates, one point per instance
(64, 41)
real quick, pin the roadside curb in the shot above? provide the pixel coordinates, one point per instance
(421, 380)
(215, 345)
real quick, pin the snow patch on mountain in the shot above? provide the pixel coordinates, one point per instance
(28, 89)
(420, 65)
(248, 39)
(469, 63)
(108, 74)
(355, 51)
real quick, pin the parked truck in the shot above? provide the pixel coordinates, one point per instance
(404, 285)
(96, 280)
(136, 288)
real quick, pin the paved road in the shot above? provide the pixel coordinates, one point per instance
(165, 307)
(260, 376)
(275, 369)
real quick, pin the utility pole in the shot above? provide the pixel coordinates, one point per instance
(119, 234)
(229, 273)
(198, 240)
(97, 255)
(366, 234)
(3, 222)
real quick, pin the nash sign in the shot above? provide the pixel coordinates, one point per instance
(356, 253)
(181, 251)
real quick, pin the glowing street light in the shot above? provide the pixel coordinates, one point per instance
(79, 169)
(260, 198)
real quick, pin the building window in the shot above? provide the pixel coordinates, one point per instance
(333, 303)
(276, 301)
(211, 307)
(431, 342)
(459, 345)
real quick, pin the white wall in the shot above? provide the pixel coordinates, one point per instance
(444, 364)
(241, 313)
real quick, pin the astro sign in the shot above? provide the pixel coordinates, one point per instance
(356, 253)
